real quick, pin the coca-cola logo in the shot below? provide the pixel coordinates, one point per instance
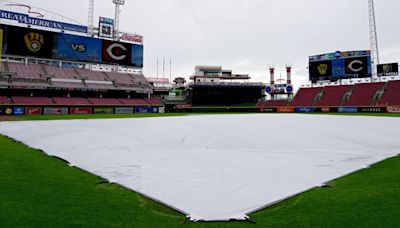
(132, 38)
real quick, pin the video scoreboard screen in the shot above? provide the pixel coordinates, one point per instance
(388, 69)
(22, 41)
(340, 65)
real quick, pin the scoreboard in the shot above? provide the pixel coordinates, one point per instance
(340, 65)
(27, 42)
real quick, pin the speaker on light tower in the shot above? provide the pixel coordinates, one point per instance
(289, 74)
(272, 73)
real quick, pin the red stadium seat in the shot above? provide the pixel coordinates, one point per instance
(306, 96)
(363, 94)
(333, 95)
(33, 101)
(391, 95)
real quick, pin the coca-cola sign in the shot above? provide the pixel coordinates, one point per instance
(134, 38)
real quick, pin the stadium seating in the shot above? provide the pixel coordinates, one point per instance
(134, 101)
(91, 75)
(120, 79)
(61, 73)
(104, 101)
(32, 101)
(67, 85)
(391, 95)
(71, 101)
(306, 96)
(23, 71)
(333, 95)
(4, 100)
(363, 94)
(272, 103)
(155, 101)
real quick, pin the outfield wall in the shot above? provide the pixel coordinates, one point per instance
(20, 110)
(288, 109)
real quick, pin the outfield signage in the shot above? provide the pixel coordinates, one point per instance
(81, 110)
(372, 110)
(103, 110)
(305, 110)
(6, 111)
(124, 110)
(56, 111)
(393, 109)
(348, 109)
(26, 19)
(19, 110)
(33, 111)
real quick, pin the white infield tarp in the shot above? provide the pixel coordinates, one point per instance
(217, 167)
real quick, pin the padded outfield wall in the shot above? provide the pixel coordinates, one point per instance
(20, 110)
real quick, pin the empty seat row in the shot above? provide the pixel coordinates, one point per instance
(23, 100)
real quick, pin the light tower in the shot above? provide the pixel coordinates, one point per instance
(91, 18)
(373, 38)
(118, 4)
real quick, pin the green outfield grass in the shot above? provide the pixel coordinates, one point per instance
(37, 190)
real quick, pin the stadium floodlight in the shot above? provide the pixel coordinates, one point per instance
(373, 38)
(118, 4)
(91, 18)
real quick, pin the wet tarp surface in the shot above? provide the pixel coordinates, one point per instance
(216, 167)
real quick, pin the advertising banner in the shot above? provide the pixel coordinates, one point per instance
(27, 20)
(305, 110)
(285, 110)
(81, 110)
(6, 111)
(124, 110)
(326, 110)
(143, 110)
(393, 109)
(78, 48)
(107, 110)
(348, 109)
(29, 42)
(372, 109)
(133, 38)
(268, 110)
(33, 111)
(155, 110)
(19, 110)
(55, 111)
(389, 69)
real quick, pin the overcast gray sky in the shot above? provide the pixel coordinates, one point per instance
(245, 35)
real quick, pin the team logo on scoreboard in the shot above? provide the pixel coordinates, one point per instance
(357, 66)
(323, 69)
(34, 41)
(114, 52)
(117, 51)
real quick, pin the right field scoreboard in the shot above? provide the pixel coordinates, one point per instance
(340, 65)
(388, 69)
